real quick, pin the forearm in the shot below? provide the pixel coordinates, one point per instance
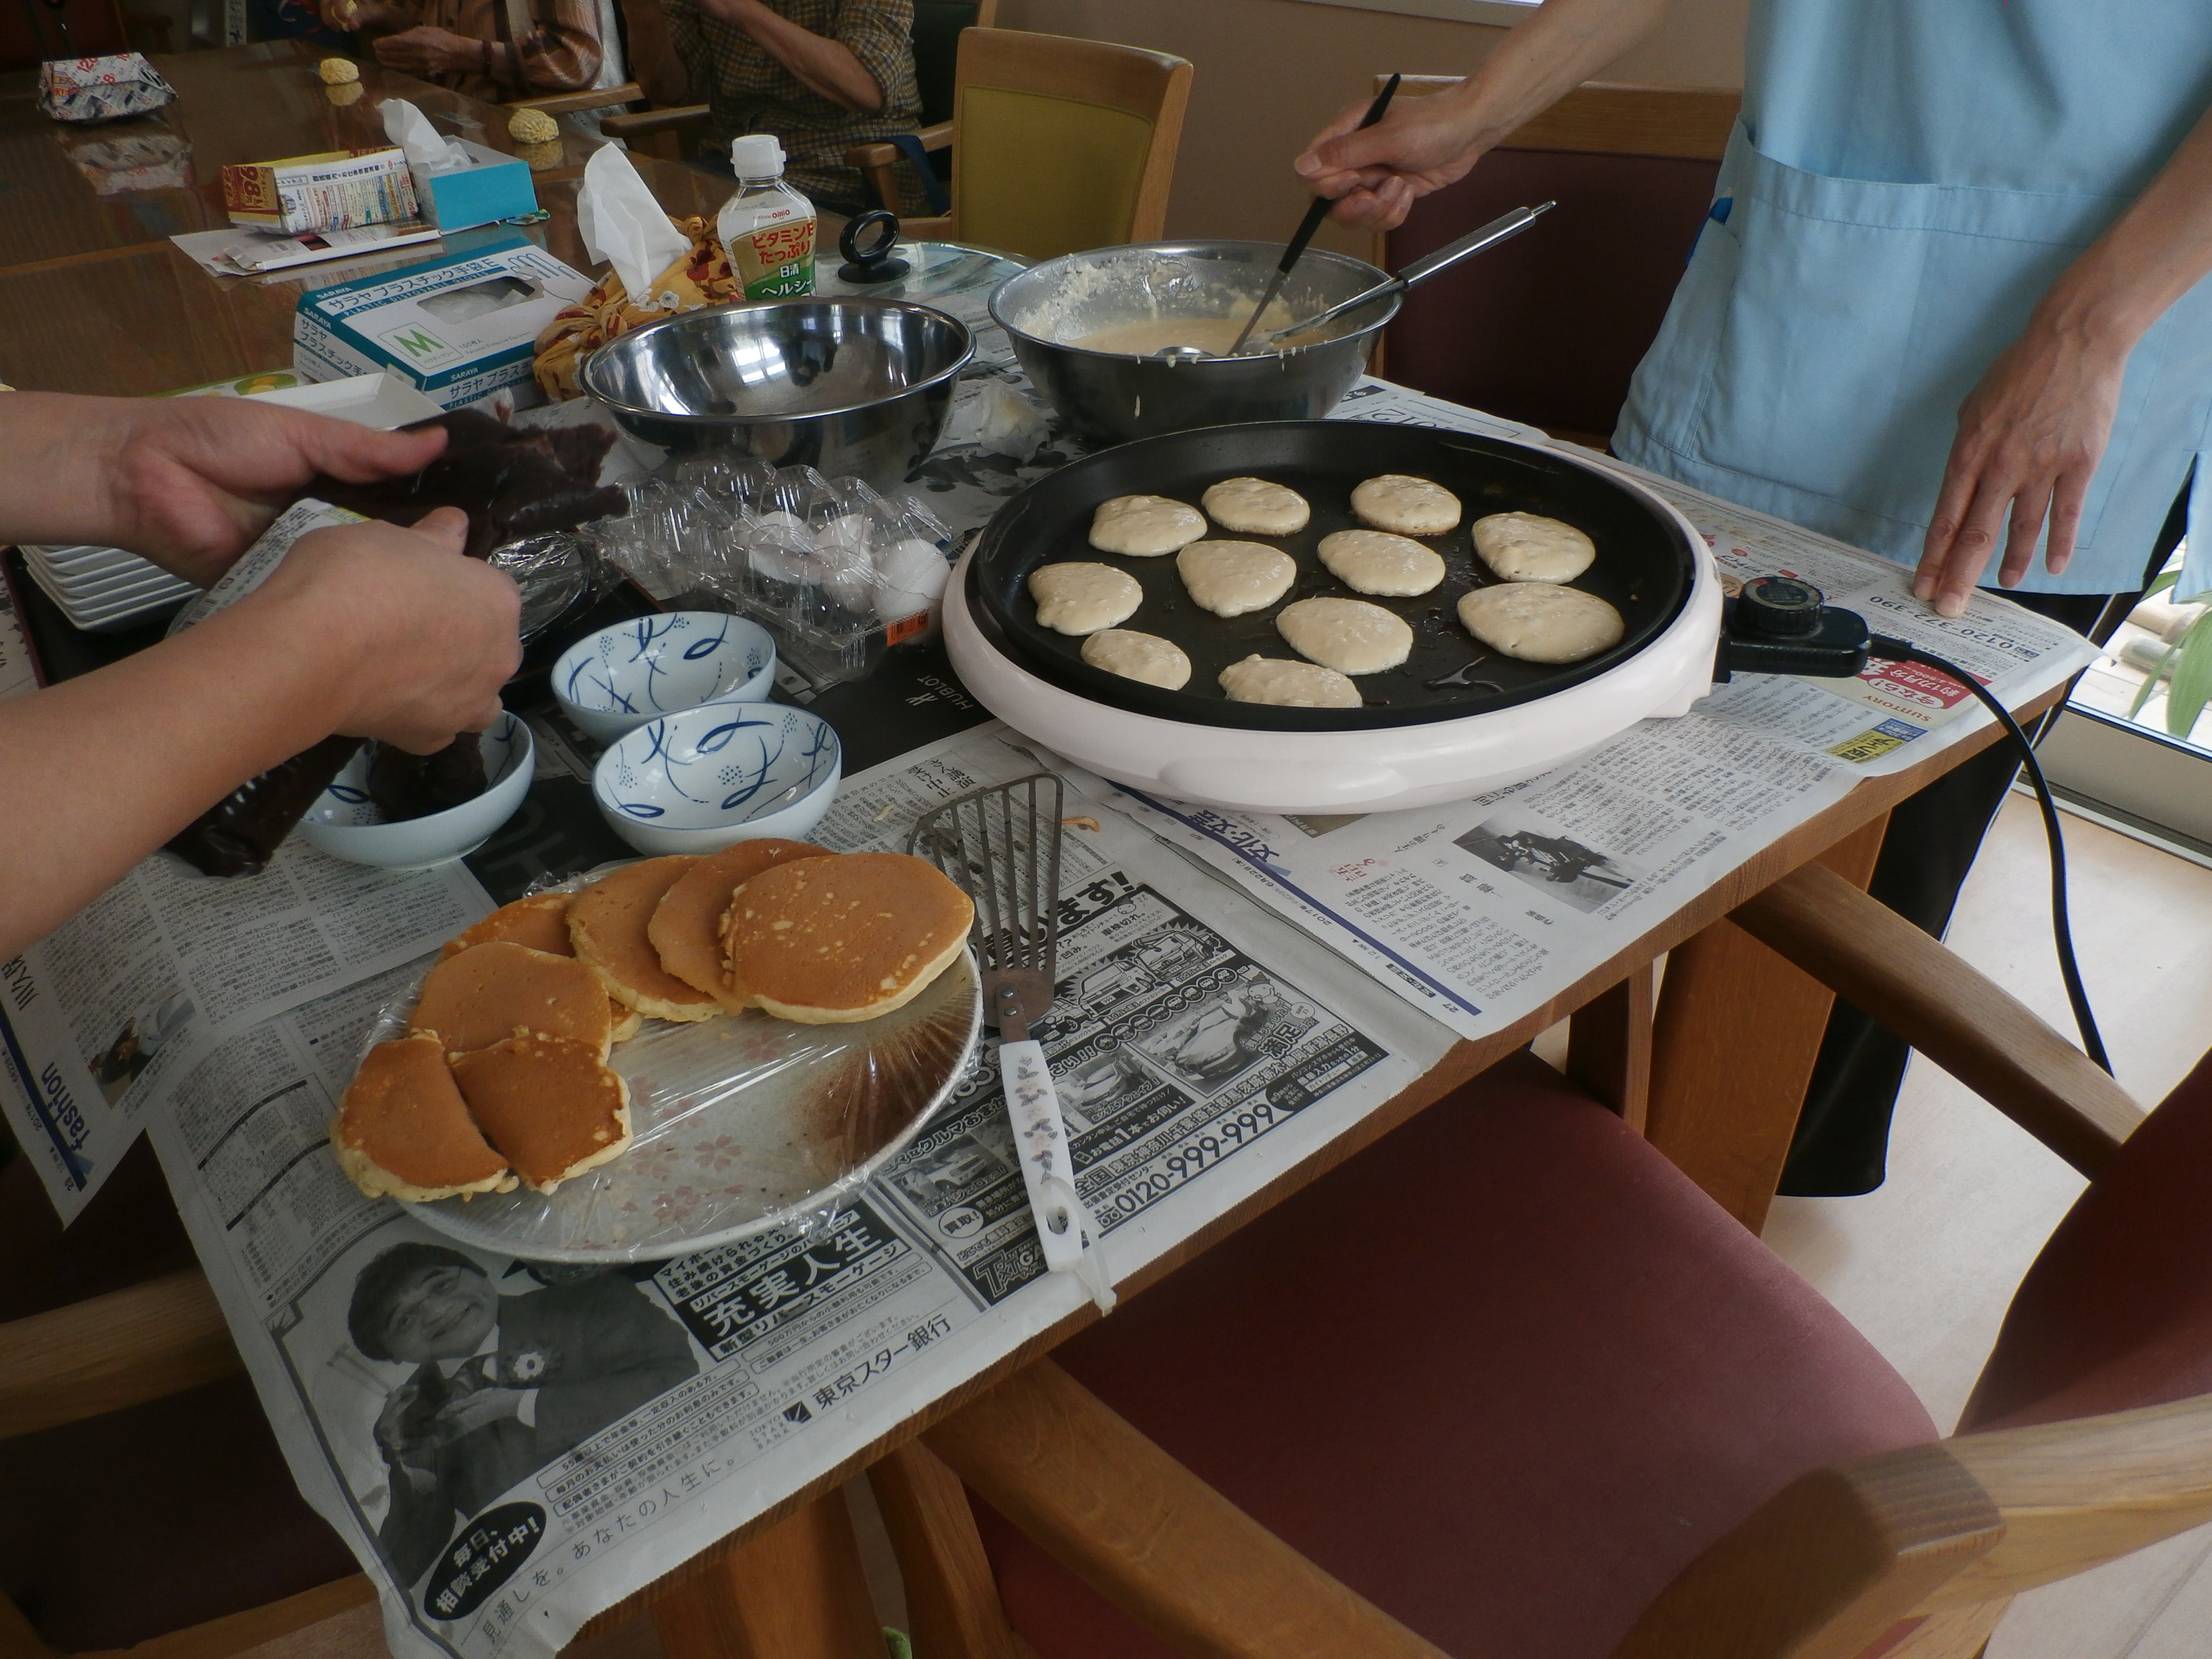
(821, 65)
(99, 771)
(1541, 60)
(61, 452)
(2155, 253)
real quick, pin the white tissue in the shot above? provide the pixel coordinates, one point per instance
(428, 150)
(621, 224)
(998, 420)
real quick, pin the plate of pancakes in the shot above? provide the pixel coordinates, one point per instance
(670, 1054)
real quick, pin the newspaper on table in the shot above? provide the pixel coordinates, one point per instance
(1481, 911)
(510, 1448)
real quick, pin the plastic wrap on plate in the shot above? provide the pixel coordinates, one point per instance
(742, 1123)
(559, 573)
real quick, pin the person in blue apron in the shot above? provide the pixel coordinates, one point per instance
(1948, 305)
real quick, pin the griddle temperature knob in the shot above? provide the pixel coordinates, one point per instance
(1779, 625)
(1780, 608)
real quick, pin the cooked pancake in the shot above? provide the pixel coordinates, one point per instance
(1292, 684)
(1232, 578)
(1135, 656)
(489, 992)
(1528, 547)
(403, 1131)
(1254, 506)
(1405, 505)
(608, 922)
(1076, 598)
(1375, 562)
(1350, 635)
(1145, 525)
(828, 941)
(686, 928)
(540, 921)
(1541, 621)
(551, 1105)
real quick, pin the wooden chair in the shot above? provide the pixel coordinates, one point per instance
(1831, 1520)
(1549, 329)
(678, 123)
(560, 103)
(1057, 144)
(1505, 1377)
(117, 1375)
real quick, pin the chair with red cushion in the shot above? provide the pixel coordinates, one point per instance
(142, 1493)
(1507, 1383)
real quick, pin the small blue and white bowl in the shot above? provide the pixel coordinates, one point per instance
(345, 823)
(615, 682)
(696, 781)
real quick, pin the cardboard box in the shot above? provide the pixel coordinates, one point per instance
(371, 400)
(342, 189)
(458, 330)
(494, 185)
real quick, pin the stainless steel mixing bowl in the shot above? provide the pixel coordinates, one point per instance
(853, 387)
(1111, 397)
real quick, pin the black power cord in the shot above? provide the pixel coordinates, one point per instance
(2062, 931)
(1783, 625)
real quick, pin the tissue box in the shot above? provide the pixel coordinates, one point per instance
(341, 189)
(493, 185)
(458, 330)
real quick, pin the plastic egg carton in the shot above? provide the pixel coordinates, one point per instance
(835, 571)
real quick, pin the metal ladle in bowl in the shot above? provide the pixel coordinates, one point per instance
(1502, 228)
(1499, 229)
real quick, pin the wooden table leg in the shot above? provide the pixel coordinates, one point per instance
(951, 1599)
(797, 1591)
(1609, 1047)
(1733, 1046)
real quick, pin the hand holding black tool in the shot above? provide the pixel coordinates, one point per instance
(1309, 224)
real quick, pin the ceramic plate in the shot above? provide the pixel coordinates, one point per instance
(743, 1123)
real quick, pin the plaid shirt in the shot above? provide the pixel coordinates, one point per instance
(748, 91)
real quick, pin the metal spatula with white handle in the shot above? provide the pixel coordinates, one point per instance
(1001, 845)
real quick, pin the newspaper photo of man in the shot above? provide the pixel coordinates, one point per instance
(142, 1036)
(1564, 867)
(503, 1385)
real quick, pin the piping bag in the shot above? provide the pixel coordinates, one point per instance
(512, 483)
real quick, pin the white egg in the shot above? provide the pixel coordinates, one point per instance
(912, 574)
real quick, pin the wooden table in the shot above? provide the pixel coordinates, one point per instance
(1715, 1076)
(96, 300)
(94, 297)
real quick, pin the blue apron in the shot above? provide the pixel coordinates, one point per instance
(1908, 178)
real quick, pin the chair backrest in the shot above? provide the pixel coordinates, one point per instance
(1549, 328)
(1060, 144)
(33, 31)
(2089, 1436)
(651, 55)
(938, 24)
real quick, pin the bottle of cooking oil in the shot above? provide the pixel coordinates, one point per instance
(768, 227)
